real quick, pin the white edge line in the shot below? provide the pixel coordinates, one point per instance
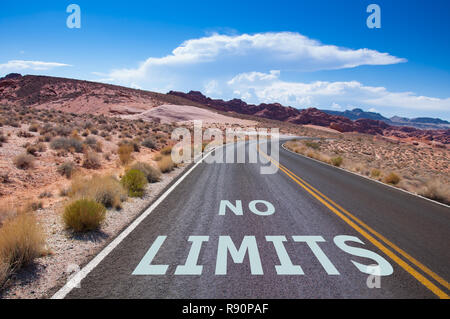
(75, 280)
(368, 178)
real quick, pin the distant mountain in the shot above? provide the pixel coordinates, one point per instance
(426, 123)
(77, 96)
(357, 114)
(275, 111)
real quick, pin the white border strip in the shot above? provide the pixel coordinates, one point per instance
(368, 178)
(75, 280)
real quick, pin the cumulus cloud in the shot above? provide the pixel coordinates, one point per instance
(245, 52)
(268, 87)
(19, 65)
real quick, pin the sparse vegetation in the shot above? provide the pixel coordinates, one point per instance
(167, 150)
(106, 190)
(84, 215)
(21, 241)
(166, 164)
(24, 161)
(436, 190)
(153, 174)
(124, 152)
(149, 143)
(337, 161)
(375, 173)
(91, 160)
(392, 179)
(67, 144)
(66, 169)
(134, 181)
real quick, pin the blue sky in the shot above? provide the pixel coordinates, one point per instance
(299, 53)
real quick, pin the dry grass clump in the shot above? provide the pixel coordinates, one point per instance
(337, 161)
(153, 174)
(66, 169)
(124, 152)
(165, 164)
(134, 181)
(392, 179)
(24, 161)
(436, 190)
(167, 150)
(149, 143)
(92, 160)
(311, 144)
(84, 215)
(67, 144)
(375, 173)
(21, 241)
(105, 190)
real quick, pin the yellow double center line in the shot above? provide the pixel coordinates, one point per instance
(366, 231)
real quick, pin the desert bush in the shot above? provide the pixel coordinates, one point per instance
(33, 127)
(375, 173)
(436, 190)
(167, 150)
(337, 161)
(153, 174)
(313, 145)
(68, 144)
(3, 138)
(45, 194)
(24, 134)
(66, 169)
(106, 190)
(21, 241)
(157, 157)
(392, 178)
(24, 161)
(134, 144)
(134, 181)
(91, 160)
(32, 150)
(84, 215)
(124, 152)
(166, 164)
(90, 140)
(149, 143)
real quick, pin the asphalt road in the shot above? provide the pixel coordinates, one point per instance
(410, 233)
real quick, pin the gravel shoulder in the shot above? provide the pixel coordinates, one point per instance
(69, 251)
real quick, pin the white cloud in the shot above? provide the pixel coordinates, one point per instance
(19, 65)
(255, 86)
(241, 53)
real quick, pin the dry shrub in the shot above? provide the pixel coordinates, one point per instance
(66, 169)
(105, 190)
(91, 160)
(134, 181)
(157, 157)
(124, 152)
(153, 174)
(21, 241)
(337, 161)
(84, 215)
(167, 150)
(24, 161)
(392, 178)
(375, 173)
(149, 143)
(67, 144)
(166, 164)
(437, 190)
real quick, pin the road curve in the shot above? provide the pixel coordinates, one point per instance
(419, 231)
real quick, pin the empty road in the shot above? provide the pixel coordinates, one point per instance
(308, 231)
